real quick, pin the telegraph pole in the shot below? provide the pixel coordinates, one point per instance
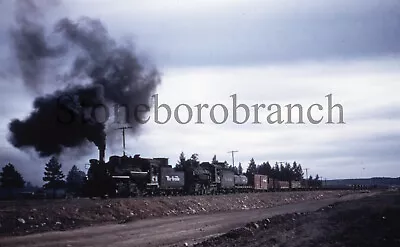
(306, 176)
(123, 137)
(306, 172)
(233, 157)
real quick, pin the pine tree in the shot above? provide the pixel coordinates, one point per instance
(252, 169)
(265, 169)
(299, 172)
(288, 172)
(293, 171)
(282, 172)
(193, 161)
(275, 171)
(214, 160)
(240, 169)
(10, 178)
(181, 162)
(317, 181)
(75, 180)
(53, 175)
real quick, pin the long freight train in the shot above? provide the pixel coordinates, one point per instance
(137, 176)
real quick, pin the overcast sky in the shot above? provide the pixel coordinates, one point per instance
(265, 52)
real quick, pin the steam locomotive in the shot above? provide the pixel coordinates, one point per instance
(125, 176)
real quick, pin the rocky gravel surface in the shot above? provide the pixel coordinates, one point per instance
(368, 222)
(33, 216)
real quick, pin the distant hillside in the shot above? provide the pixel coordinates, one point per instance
(364, 181)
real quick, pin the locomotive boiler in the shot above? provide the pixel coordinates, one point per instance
(126, 175)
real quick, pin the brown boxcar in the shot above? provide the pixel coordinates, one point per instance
(260, 182)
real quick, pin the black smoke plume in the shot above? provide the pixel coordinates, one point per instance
(100, 73)
(30, 45)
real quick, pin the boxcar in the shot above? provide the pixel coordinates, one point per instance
(260, 182)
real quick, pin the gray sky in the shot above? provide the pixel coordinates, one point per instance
(282, 52)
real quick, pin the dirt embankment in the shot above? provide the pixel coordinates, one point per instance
(370, 222)
(26, 217)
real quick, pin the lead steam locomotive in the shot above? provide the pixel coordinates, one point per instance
(136, 176)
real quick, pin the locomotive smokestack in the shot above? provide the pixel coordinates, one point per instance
(102, 153)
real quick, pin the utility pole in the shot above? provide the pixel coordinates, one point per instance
(123, 137)
(306, 172)
(233, 157)
(306, 176)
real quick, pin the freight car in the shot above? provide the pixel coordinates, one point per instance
(260, 182)
(296, 185)
(242, 184)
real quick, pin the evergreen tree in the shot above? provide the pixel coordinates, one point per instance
(275, 171)
(287, 174)
(317, 181)
(266, 169)
(252, 169)
(181, 162)
(282, 172)
(214, 160)
(10, 178)
(75, 180)
(299, 172)
(240, 169)
(193, 161)
(53, 175)
(293, 171)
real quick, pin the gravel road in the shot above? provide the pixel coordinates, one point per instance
(164, 231)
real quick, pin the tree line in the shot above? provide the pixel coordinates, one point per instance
(54, 178)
